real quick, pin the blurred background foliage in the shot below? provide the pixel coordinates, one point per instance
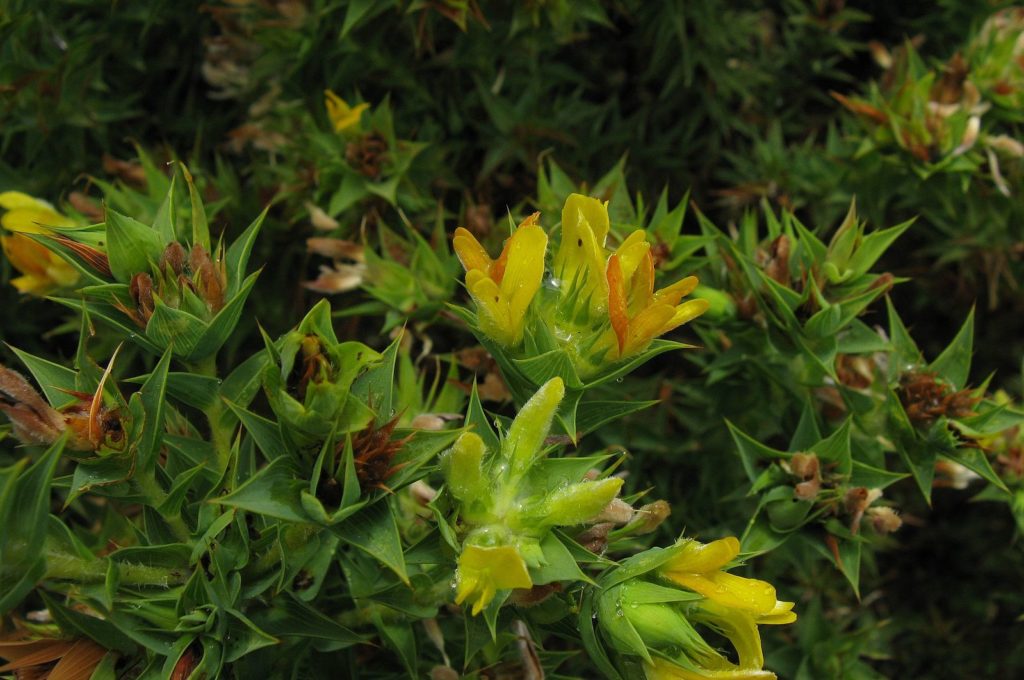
(718, 125)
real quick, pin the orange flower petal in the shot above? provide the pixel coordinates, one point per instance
(617, 302)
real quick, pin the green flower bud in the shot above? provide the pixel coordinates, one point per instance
(788, 514)
(308, 388)
(526, 436)
(720, 304)
(576, 503)
(639, 616)
(463, 469)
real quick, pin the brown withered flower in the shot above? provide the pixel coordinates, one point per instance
(28, 656)
(88, 421)
(926, 398)
(807, 468)
(346, 273)
(775, 261)
(855, 371)
(367, 154)
(178, 270)
(373, 454)
(884, 520)
(208, 280)
(856, 502)
(34, 421)
(140, 288)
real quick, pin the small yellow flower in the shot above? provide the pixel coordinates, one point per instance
(734, 605)
(42, 270)
(621, 285)
(637, 313)
(504, 288)
(484, 571)
(580, 260)
(343, 116)
(29, 215)
(698, 566)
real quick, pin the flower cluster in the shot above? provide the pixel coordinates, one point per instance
(650, 608)
(509, 499)
(597, 306)
(138, 276)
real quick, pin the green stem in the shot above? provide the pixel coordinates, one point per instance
(220, 435)
(65, 566)
(147, 483)
(292, 538)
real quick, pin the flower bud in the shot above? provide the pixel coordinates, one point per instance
(649, 517)
(884, 520)
(576, 503)
(462, 466)
(526, 436)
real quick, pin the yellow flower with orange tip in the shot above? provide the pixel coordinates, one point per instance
(483, 571)
(503, 288)
(620, 285)
(42, 270)
(342, 116)
(637, 313)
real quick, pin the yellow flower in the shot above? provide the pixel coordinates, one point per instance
(504, 288)
(341, 114)
(622, 284)
(42, 270)
(637, 313)
(29, 215)
(580, 261)
(484, 571)
(734, 605)
(662, 669)
(697, 566)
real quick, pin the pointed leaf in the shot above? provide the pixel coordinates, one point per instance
(954, 364)
(374, 531)
(131, 246)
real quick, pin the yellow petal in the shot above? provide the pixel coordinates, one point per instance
(782, 613)
(737, 625)
(492, 308)
(591, 211)
(483, 571)
(641, 286)
(33, 220)
(524, 268)
(43, 270)
(9, 200)
(688, 311)
(618, 313)
(341, 114)
(580, 258)
(30, 285)
(698, 558)
(671, 295)
(647, 325)
(729, 590)
(632, 252)
(662, 669)
(471, 254)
